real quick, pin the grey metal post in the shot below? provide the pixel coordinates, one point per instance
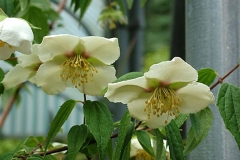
(213, 40)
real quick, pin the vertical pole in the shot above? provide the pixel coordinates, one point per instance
(212, 40)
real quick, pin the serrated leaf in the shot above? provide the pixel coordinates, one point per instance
(128, 76)
(205, 116)
(159, 150)
(228, 103)
(61, 116)
(175, 141)
(181, 119)
(124, 136)
(145, 141)
(76, 138)
(130, 3)
(100, 123)
(196, 124)
(36, 17)
(206, 76)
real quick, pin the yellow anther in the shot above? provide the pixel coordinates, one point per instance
(163, 100)
(143, 155)
(78, 70)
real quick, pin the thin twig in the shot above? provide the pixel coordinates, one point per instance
(220, 80)
(9, 105)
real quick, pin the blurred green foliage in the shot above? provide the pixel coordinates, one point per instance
(8, 145)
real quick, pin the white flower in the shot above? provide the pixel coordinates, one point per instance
(166, 90)
(15, 35)
(70, 61)
(137, 150)
(25, 70)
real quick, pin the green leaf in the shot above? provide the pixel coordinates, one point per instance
(126, 152)
(228, 103)
(1, 74)
(38, 18)
(1, 88)
(130, 3)
(82, 5)
(206, 76)
(205, 116)
(128, 76)
(7, 6)
(110, 150)
(2, 15)
(121, 5)
(175, 141)
(23, 4)
(160, 151)
(100, 123)
(124, 136)
(181, 119)
(196, 124)
(76, 138)
(61, 116)
(50, 157)
(7, 156)
(35, 157)
(32, 141)
(145, 141)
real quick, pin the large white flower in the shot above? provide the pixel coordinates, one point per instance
(84, 63)
(166, 90)
(25, 70)
(15, 35)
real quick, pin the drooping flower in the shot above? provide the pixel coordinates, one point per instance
(166, 90)
(25, 70)
(15, 35)
(83, 63)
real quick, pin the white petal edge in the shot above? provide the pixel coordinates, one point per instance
(17, 75)
(172, 71)
(195, 97)
(48, 77)
(105, 75)
(15, 31)
(126, 91)
(55, 45)
(103, 49)
(31, 59)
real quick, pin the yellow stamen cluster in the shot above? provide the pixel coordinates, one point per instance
(163, 100)
(3, 43)
(78, 70)
(143, 155)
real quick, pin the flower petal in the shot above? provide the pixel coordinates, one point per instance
(54, 45)
(5, 51)
(105, 75)
(136, 109)
(15, 32)
(103, 49)
(17, 75)
(173, 71)
(48, 77)
(126, 91)
(29, 60)
(195, 97)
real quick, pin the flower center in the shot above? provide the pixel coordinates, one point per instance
(163, 100)
(143, 155)
(3, 43)
(78, 70)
